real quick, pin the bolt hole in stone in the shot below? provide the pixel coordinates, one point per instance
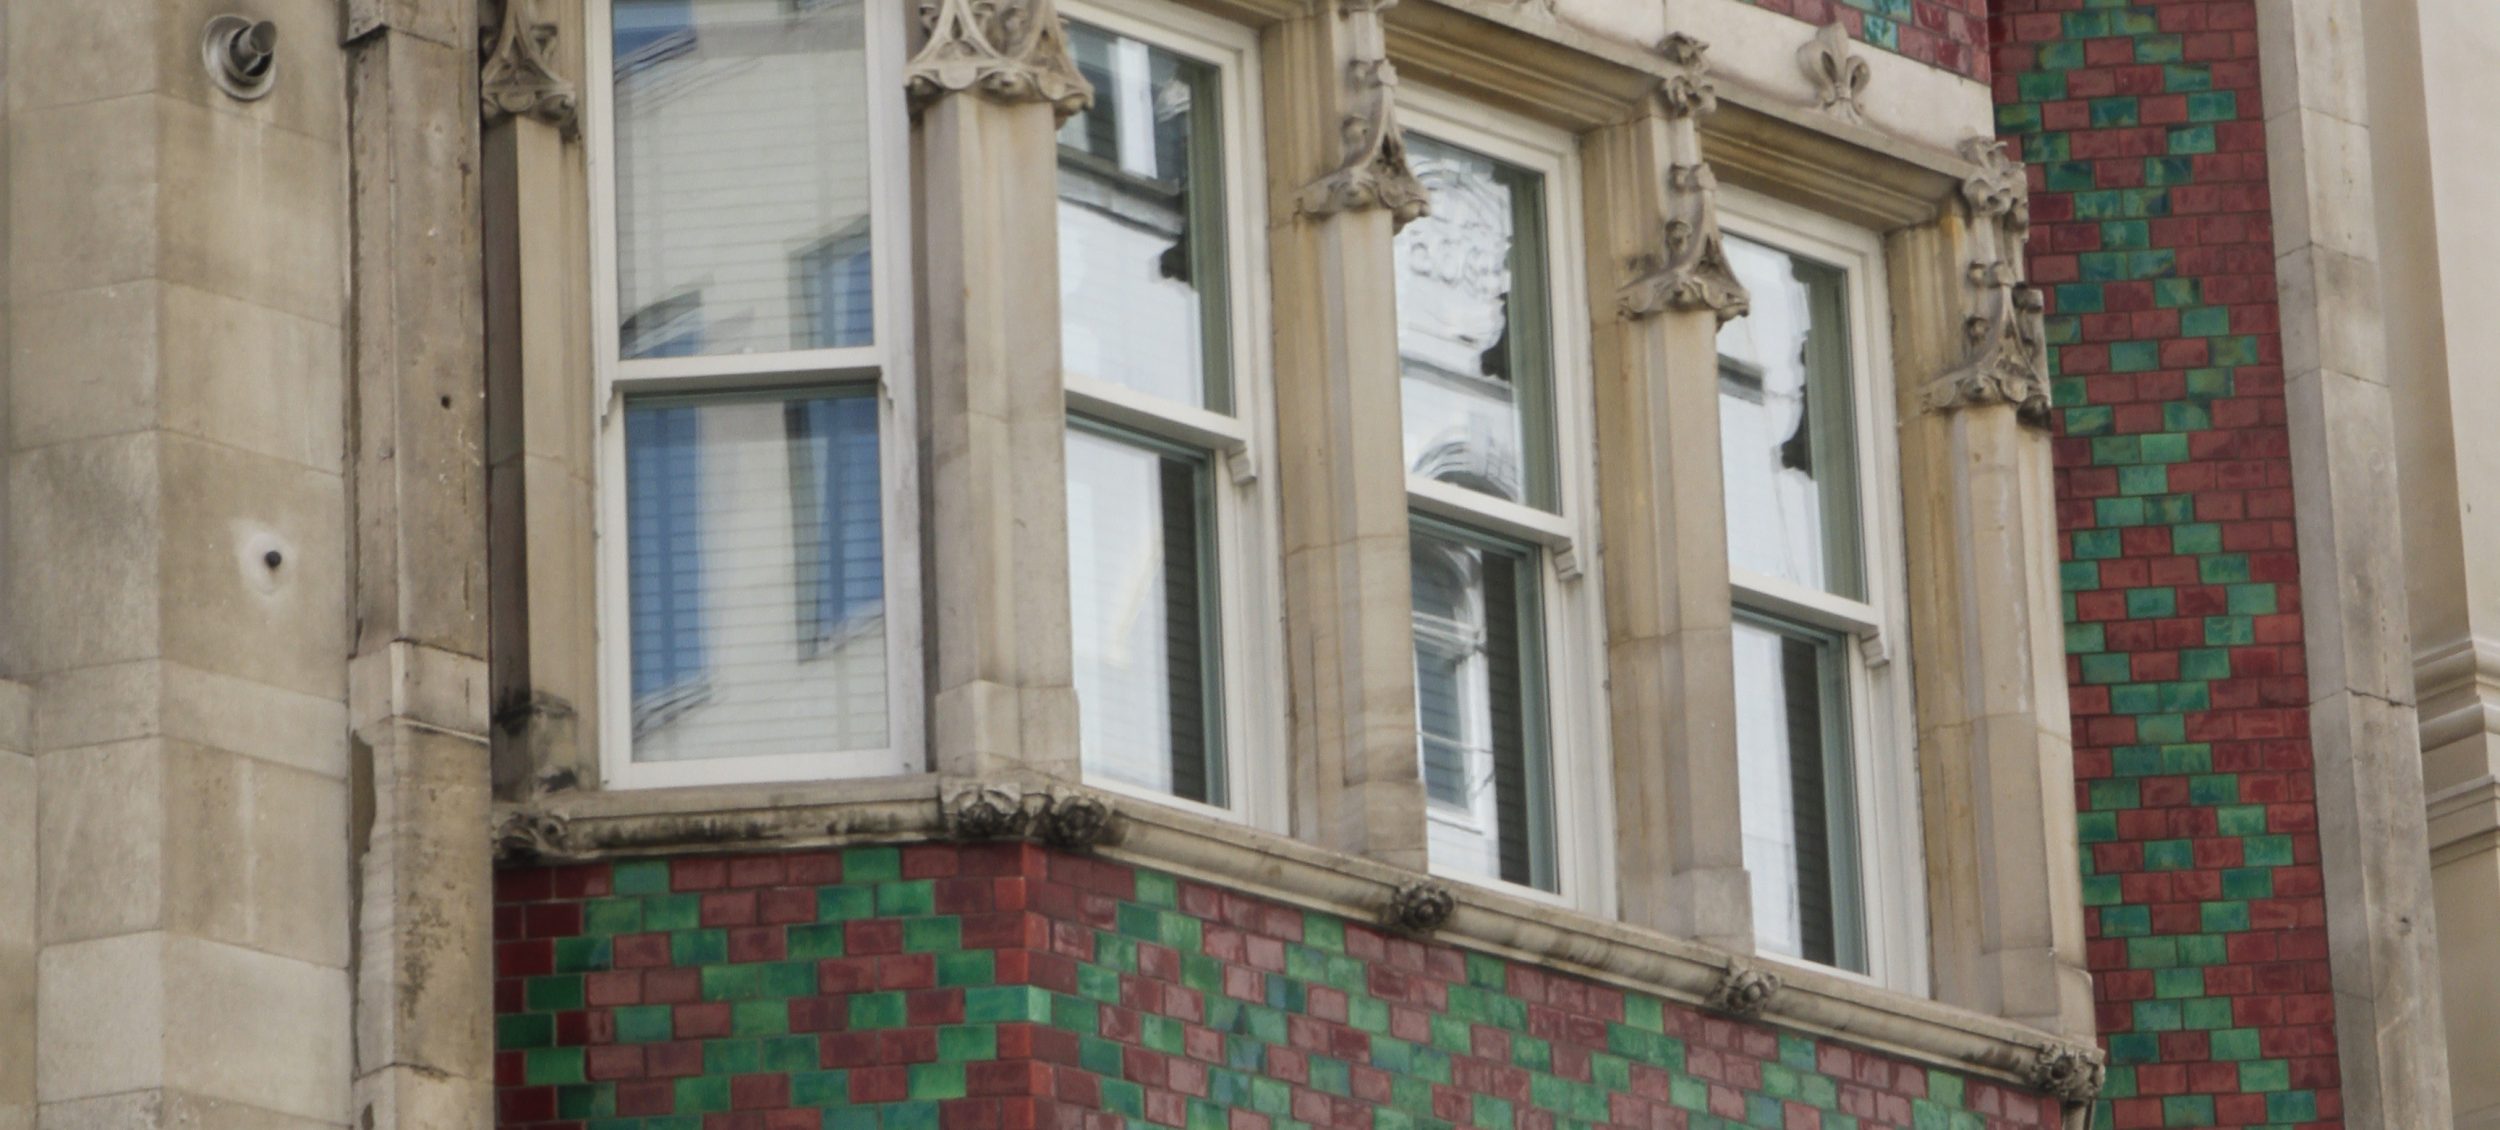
(261, 551)
(273, 559)
(446, 402)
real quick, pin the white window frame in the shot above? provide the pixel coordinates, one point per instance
(1240, 447)
(1577, 736)
(887, 364)
(1882, 728)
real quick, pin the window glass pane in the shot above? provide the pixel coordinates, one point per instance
(755, 574)
(1479, 704)
(742, 173)
(1141, 224)
(1142, 608)
(1800, 806)
(1472, 326)
(1784, 425)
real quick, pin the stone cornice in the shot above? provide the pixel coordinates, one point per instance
(740, 818)
(2457, 689)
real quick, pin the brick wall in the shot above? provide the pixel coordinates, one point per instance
(2142, 128)
(1951, 34)
(1004, 987)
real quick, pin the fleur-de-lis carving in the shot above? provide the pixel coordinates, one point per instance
(1839, 74)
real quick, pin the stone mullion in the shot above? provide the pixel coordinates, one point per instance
(1995, 755)
(985, 159)
(1358, 786)
(1668, 602)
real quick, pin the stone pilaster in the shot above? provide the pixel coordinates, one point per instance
(989, 87)
(1339, 188)
(1995, 752)
(1654, 247)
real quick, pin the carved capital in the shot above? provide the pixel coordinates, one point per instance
(2073, 1072)
(1419, 907)
(1076, 820)
(1373, 172)
(1003, 50)
(516, 74)
(2005, 356)
(1743, 990)
(1839, 74)
(1060, 819)
(522, 836)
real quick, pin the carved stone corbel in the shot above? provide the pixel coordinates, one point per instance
(2072, 1072)
(524, 836)
(517, 77)
(1373, 173)
(1004, 50)
(1061, 819)
(1419, 907)
(1742, 990)
(1691, 272)
(2005, 351)
(1839, 74)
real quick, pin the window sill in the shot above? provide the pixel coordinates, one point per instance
(598, 825)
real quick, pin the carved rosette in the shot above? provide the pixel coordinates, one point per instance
(1692, 271)
(1419, 907)
(522, 836)
(2072, 1072)
(1742, 990)
(516, 74)
(1004, 50)
(1373, 172)
(2005, 357)
(1060, 819)
(1839, 74)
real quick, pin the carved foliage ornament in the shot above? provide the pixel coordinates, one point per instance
(2071, 1072)
(2005, 349)
(517, 75)
(1742, 990)
(1373, 172)
(1004, 50)
(1420, 907)
(1060, 819)
(522, 836)
(1692, 271)
(1838, 72)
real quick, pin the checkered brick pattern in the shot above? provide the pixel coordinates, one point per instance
(1940, 33)
(1005, 987)
(2142, 128)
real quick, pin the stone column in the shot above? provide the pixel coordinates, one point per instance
(989, 87)
(1996, 759)
(177, 553)
(2382, 944)
(1339, 188)
(417, 673)
(1654, 243)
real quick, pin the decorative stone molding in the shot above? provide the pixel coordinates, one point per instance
(1743, 990)
(1692, 272)
(1419, 907)
(2005, 358)
(523, 835)
(1839, 74)
(2073, 1072)
(1374, 172)
(1004, 50)
(516, 75)
(1059, 818)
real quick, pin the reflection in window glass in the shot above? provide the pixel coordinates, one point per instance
(755, 575)
(1784, 423)
(1479, 703)
(741, 158)
(1142, 606)
(1141, 224)
(1472, 326)
(1800, 807)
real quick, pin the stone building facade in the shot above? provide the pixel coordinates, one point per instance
(1246, 564)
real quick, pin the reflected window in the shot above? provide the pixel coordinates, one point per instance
(1785, 425)
(1479, 689)
(1800, 801)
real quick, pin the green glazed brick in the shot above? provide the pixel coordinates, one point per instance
(814, 941)
(2119, 511)
(2147, 604)
(2143, 480)
(2204, 663)
(644, 1024)
(1485, 972)
(1883, 32)
(1531, 1053)
(2187, 1110)
(2205, 321)
(2177, 417)
(2096, 827)
(2248, 883)
(2156, 1016)
(2134, 1047)
(2112, 451)
(2250, 600)
(1157, 889)
(1779, 1081)
(732, 982)
(2223, 569)
(1414, 1096)
(2236, 631)
(2184, 697)
(592, 1100)
(2241, 820)
(523, 1030)
(2225, 917)
(2018, 118)
(2187, 78)
(1330, 1076)
(965, 969)
(933, 935)
(1075, 1014)
(2163, 447)
(2100, 890)
(2096, 544)
(1687, 1092)
(866, 865)
(1115, 952)
(661, 913)
(2079, 576)
(733, 1057)
(914, 1115)
(640, 877)
(907, 898)
(2083, 639)
(759, 1018)
(2152, 953)
(2292, 1106)
(2234, 1044)
(2126, 235)
(2202, 949)
(2213, 789)
(2160, 727)
(933, 1081)
(2179, 983)
(581, 955)
(552, 994)
(2197, 539)
(689, 949)
(2265, 1075)
(2078, 298)
(2127, 356)
(2108, 795)
(2126, 922)
(1138, 923)
(2191, 140)
(781, 1055)
(2168, 171)
(2213, 106)
(1163, 1034)
(2206, 1014)
(1181, 932)
(820, 1088)
(542, 1066)
(1325, 931)
(2170, 293)
(2266, 851)
(851, 1118)
(1098, 983)
(1488, 1113)
(2240, 350)
(2209, 383)
(885, 1010)
(1119, 1096)
(845, 904)
(612, 916)
(2137, 698)
(1368, 1014)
